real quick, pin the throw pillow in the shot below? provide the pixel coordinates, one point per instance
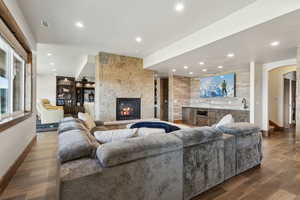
(114, 135)
(73, 145)
(88, 121)
(227, 119)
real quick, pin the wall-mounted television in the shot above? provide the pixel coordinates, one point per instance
(218, 86)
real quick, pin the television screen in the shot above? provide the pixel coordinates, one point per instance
(218, 86)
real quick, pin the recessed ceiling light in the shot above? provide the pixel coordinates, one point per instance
(49, 54)
(52, 63)
(138, 39)
(204, 70)
(201, 63)
(179, 6)
(173, 70)
(220, 67)
(185, 67)
(79, 25)
(275, 43)
(54, 70)
(230, 55)
(191, 73)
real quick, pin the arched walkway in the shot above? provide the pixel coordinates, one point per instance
(265, 88)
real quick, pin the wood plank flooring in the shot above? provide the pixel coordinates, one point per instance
(277, 179)
(37, 177)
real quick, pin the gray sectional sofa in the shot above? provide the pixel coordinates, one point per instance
(175, 166)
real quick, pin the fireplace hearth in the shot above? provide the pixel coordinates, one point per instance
(128, 108)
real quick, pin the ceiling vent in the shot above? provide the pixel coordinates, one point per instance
(44, 23)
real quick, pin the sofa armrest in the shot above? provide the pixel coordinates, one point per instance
(115, 153)
(194, 136)
(240, 128)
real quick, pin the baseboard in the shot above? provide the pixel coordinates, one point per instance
(4, 181)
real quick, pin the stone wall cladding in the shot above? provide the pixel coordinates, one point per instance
(181, 95)
(122, 77)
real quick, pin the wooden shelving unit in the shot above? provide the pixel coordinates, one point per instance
(73, 94)
(85, 92)
(65, 91)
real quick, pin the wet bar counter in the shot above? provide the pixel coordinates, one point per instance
(198, 116)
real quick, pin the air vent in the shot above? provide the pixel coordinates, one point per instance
(44, 23)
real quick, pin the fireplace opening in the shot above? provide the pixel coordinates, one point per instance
(128, 108)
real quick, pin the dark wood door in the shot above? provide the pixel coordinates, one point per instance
(164, 99)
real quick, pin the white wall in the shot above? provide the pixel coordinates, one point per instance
(46, 88)
(276, 97)
(256, 93)
(14, 140)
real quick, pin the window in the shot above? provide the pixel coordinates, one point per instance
(18, 84)
(4, 80)
(12, 82)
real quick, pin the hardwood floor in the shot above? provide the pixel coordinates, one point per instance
(37, 177)
(278, 178)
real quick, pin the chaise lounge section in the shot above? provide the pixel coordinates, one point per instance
(178, 165)
(141, 168)
(247, 144)
(203, 159)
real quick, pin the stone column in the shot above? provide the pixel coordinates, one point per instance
(256, 93)
(98, 81)
(298, 97)
(179, 95)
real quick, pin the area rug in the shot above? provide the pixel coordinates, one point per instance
(45, 127)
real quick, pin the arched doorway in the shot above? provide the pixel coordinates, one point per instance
(266, 88)
(282, 97)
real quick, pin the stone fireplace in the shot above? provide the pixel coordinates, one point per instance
(128, 108)
(121, 76)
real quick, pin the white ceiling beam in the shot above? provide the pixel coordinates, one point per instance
(257, 13)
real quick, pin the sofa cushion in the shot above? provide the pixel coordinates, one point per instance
(240, 128)
(70, 125)
(115, 153)
(73, 145)
(114, 135)
(79, 168)
(193, 136)
(65, 119)
(149, 131)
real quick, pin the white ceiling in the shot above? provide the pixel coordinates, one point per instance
(249, 45)
(67, 59)
(112, 26)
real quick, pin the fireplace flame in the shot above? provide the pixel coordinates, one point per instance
(126, 111)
